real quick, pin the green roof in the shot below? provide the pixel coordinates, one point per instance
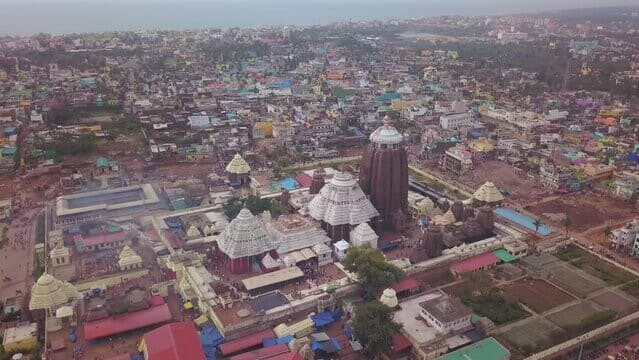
(486, 349)
(102, 162)
(504, 255)
(9, 151)
(179, 204)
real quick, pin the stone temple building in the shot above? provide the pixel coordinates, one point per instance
(244, 242)
(238, 171)
(384, 176)
(340, 206)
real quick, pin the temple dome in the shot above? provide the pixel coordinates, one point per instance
(245, 236)
(386, 134)
(49, 292)
(389, 298)
(238, 165)
(488, 193)
(341, 201)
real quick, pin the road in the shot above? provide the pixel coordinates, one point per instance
(17, 256)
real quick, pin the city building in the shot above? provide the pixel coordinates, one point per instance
(455, 121)
(446, 314)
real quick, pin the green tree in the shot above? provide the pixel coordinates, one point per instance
(373, 271)
(255, 204)
(373, 326)
(567, 222)
(607, 232)
(537, 224)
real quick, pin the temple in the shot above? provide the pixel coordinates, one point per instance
(244, 242)
(238, 171)
(384, 176)
(341, 205)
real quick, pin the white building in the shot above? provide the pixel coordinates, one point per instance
(626, 236)
(455, 121)
(362, 235)
(446, 314)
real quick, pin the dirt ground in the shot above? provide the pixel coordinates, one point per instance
(585, 210)
(534, 335)
(503, 176)
(537, 294)
(619, 302)
(572, 315)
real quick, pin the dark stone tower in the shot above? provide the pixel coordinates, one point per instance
(433, 241)
(317, 182)
(384, 176)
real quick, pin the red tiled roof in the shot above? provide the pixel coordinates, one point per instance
(475, 263)
(263, 353)
(101, 239)
(406, 284)
(247, 342)
(176, 341)
(400, 342)
(304, 179)
(121, 323)
(287, 356)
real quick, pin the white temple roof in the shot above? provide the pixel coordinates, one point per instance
(363, 234)
(341, 201)
(389, 298)
(293, 232)
(245, 236)
(489, 193)
(128, 257)
(49, 292)
(238, 165)
(446, 219)
(386, 134)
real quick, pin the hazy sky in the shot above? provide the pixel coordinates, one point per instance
(23, 17)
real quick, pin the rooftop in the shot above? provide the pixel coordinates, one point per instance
(342, 201)
(488, 348)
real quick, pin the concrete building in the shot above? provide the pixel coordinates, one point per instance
(446, 314)
(5, 209)
(458, 160)
(455, 121)
(96, 205)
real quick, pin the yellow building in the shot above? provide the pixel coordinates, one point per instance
(262, 129)
(22, 338)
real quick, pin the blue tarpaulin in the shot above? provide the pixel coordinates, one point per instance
(329, 347)
(348, 331)
(210, 338)
(327, 317)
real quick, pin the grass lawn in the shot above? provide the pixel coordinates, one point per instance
(570, 253)
(495, 307)
(632, 289)
(607, 272)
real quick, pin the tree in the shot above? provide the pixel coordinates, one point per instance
(373, 272)
(607, 232)
(373, 326)
(567, 222)
(537, 224)
(255, 204)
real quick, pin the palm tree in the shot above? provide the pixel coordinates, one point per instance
(537, 224)
(567, 222)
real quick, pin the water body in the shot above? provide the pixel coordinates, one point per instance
(24, 17)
